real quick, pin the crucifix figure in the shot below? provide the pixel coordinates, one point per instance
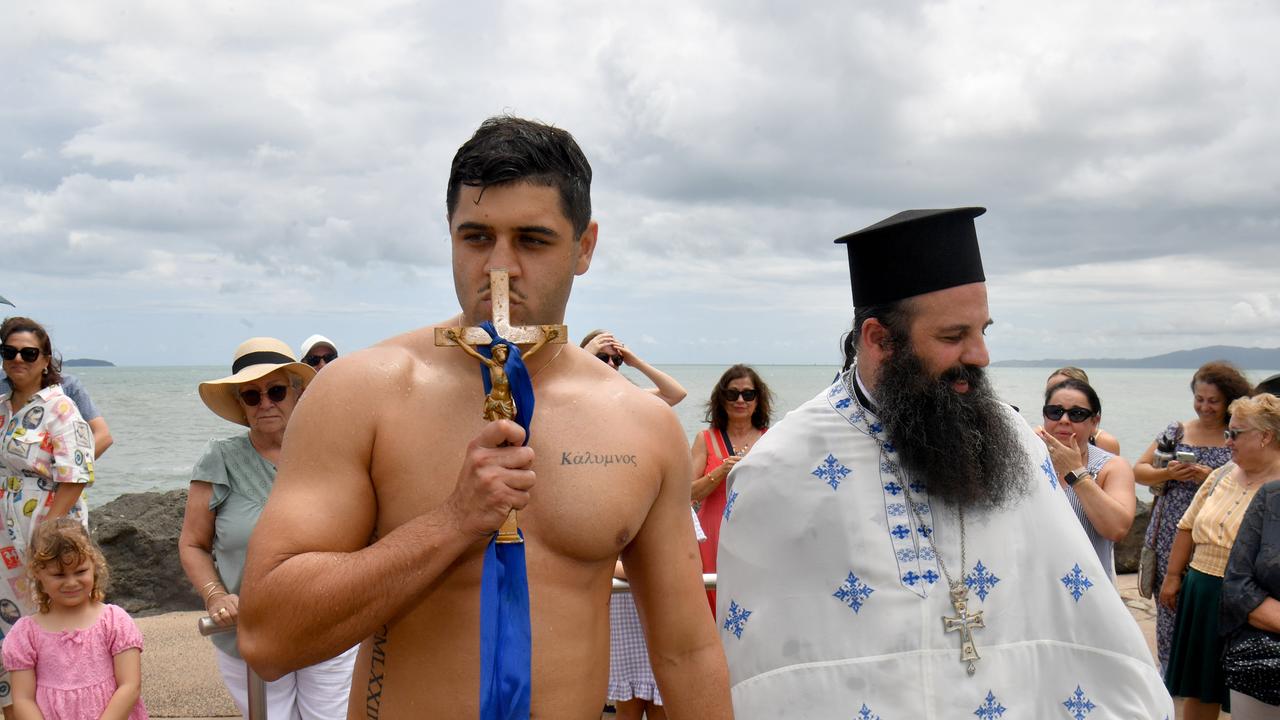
(964, 622)
(499, 403)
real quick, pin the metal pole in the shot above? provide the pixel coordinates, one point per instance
(257, 688)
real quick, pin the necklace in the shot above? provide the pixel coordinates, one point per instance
(559, 350)
(964, 621)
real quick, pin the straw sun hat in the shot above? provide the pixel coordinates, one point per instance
(254, 358)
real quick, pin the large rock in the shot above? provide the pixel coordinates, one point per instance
(138, 534)
(1129, 549)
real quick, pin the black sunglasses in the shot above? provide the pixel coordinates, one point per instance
(615, 360)
(314, 360)
(1075, 414)
(732, 395)
(29, 354)
(252, 397)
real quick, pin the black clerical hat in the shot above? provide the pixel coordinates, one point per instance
(913, 253)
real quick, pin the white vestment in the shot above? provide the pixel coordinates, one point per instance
(831, 600)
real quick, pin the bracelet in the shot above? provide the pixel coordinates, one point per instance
(209, 598)
(205, 588)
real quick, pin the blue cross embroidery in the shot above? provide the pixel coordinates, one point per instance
(1078, 705)
(892, 488)
(1047, 467)
(1076, 582)
(831, 472)
(911, 578)
(737, 619)
(866, 714)
(844, 403)
(990, 708)
(981, 581)
(888, 447)
(930, 576)
(728, 505)
(917, 487)
(900, 531)
(853, 592)
(876, 427)
(925, 531)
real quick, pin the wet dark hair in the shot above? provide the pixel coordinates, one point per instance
(718, 417)
(507, 150)
(1080, 386)
(18, 324)
(1227, 378)
(896, 317)
(64, 541)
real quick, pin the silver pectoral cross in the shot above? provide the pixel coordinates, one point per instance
(964, 623)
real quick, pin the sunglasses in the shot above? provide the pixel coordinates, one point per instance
(615, 360)
(1075, 414)
(314, 360)
(1233, 433)
(732, 395)
(252, 397)
(29, 354)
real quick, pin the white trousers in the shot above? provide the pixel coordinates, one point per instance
(1247, 707)
(316, 692)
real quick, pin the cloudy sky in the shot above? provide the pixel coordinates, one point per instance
(176, 177)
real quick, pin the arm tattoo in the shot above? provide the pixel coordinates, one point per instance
(377, 672)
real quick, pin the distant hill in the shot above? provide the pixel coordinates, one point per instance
(86, 362)
(1245, 358)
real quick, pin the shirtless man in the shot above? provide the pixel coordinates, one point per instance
(391, 484)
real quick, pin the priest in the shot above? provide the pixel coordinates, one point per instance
(900, 546)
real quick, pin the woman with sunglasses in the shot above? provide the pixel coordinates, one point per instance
(738, 411)
(229, 487)
(1098, 484)
(1193, 580)
(1101, 438)
(609, 350)
(46, 458)
(1173, 483)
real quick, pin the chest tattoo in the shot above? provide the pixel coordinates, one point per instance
(587, 457)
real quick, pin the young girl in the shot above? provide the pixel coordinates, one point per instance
(79, 657)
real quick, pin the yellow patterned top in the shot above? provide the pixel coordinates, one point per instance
(1214, 518)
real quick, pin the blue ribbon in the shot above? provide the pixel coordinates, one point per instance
(506, 641)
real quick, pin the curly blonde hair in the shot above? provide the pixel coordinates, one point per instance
(64, 541)
(1260, 412)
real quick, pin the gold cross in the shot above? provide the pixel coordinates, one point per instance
(964, 624)
(499, 404)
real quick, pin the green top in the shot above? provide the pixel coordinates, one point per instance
(241, 480)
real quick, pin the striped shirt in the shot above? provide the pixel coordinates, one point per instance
(1214, 519)
(1102, 546)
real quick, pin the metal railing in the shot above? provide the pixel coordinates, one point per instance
(622, 586)
(258, 688)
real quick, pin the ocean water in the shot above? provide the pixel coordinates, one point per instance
(160, 425)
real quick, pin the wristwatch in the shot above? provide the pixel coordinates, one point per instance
(1076, 475)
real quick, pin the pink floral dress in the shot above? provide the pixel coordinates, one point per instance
(75, 671)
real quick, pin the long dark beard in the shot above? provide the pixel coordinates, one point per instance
(961, 446)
